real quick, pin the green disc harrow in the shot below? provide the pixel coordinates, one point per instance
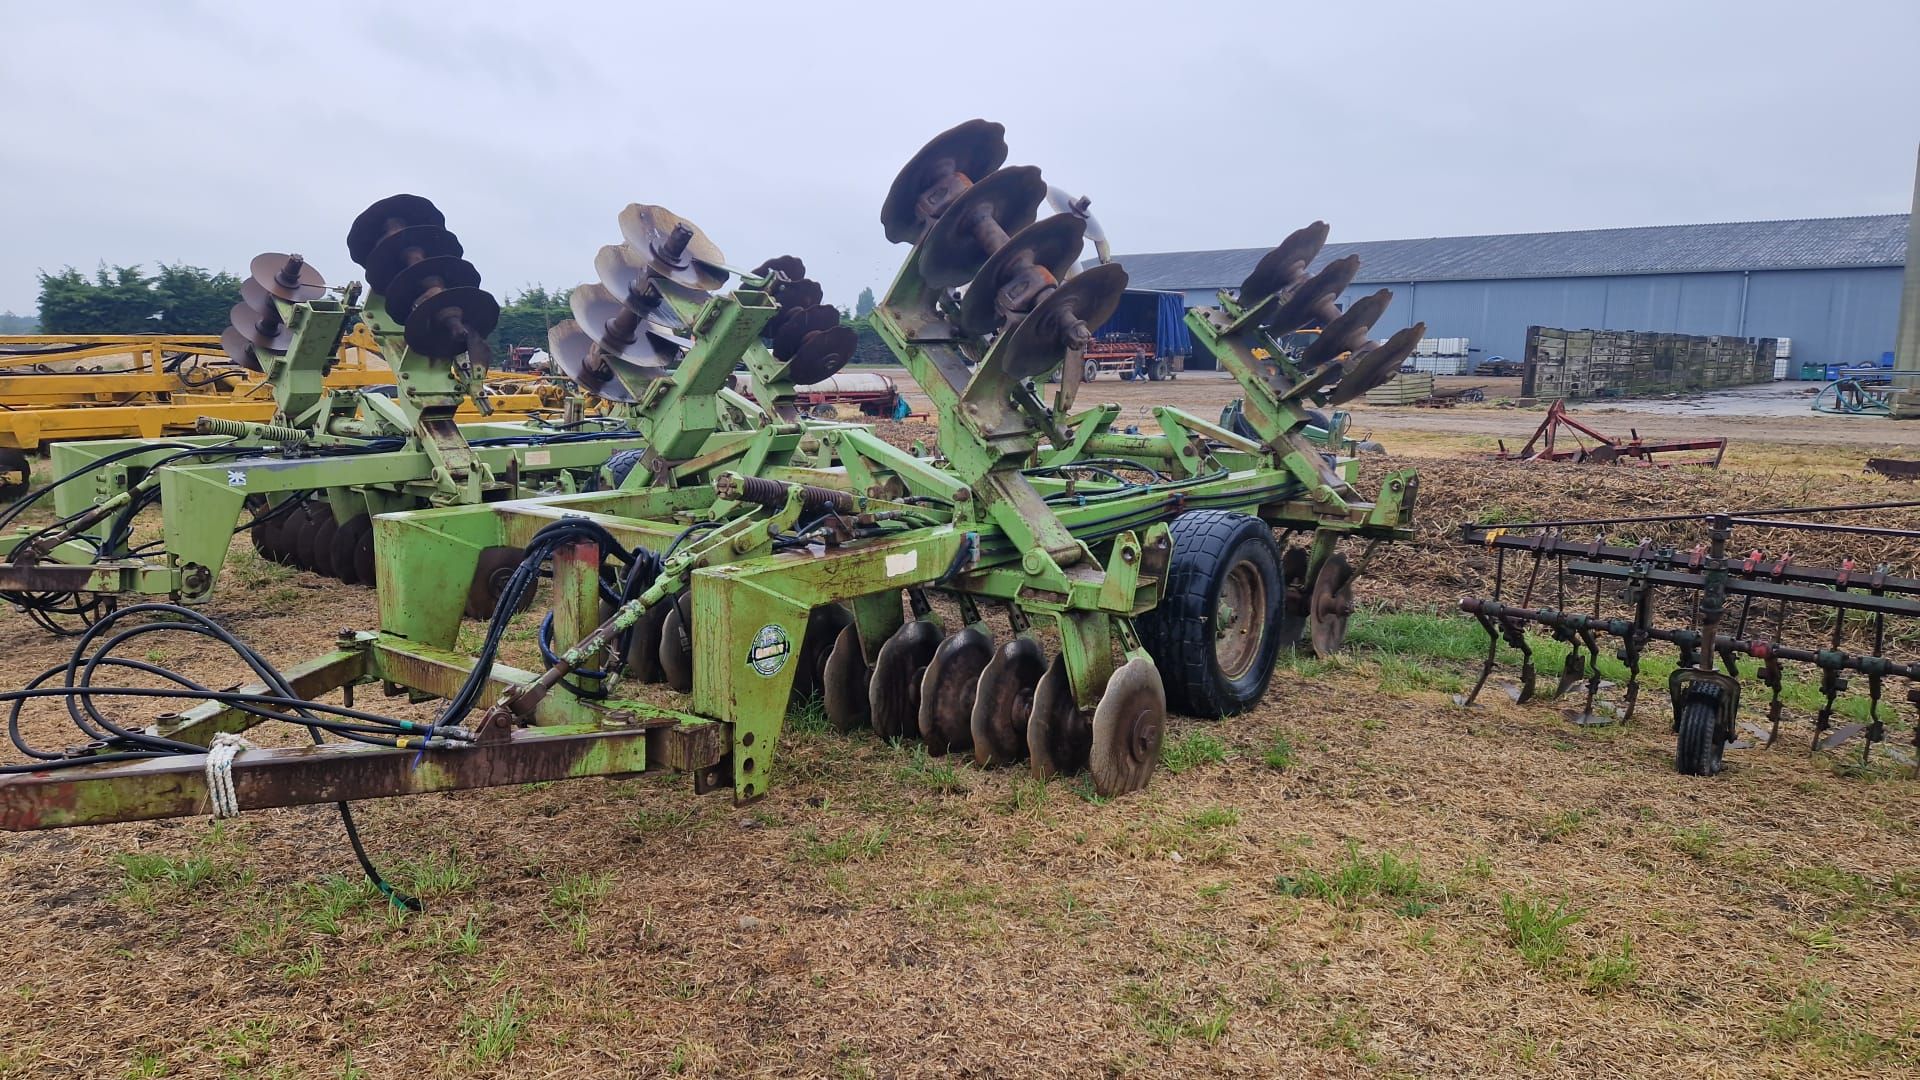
(1039, 592)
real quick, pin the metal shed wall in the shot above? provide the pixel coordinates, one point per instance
(1832, 316)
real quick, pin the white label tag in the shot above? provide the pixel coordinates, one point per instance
(236, 478)
(539, 457)
(904, 563)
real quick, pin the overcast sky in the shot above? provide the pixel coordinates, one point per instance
(204, 133)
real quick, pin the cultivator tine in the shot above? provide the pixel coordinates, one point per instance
(1516, 636)
(1486, 665)
(1572, 672)
(1710, 644)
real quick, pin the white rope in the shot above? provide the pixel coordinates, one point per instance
(226, 747)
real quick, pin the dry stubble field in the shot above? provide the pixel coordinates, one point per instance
(1355, 878)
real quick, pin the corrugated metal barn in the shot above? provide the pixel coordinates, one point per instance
(1832, 285)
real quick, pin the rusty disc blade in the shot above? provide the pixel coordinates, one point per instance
(893, 693)
(957, 156)
(795, 328)
(1051, 245)
(238, 348)
(946, 690)
(1305, 303)
(621, 270)
(1284, 266)
(439, 272)
(491, 573)
(595, 307)
(1332, 605)
(952, 251)
(408, 246)
(366, 568)
(346, 561)
(1347, 331)
(445, 324)
(822, 355)
(1128, 724)
(313, 549)
(823, 630)
(803, 293)
(1042, 341)
(580, 361)
(643, 649)
(694, 270)
(268, 537)
(787, 266)
(1003, 700)
(676, 644)
(268, 268)
(391, 214)
(843, 684)
(1057, 729)
(1378, 365)
(1297, 603)
(244, 319)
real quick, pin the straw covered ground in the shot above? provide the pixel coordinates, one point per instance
(1354, 879)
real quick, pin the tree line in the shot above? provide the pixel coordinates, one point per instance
(185, 299)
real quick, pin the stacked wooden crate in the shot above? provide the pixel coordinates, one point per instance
(1403, 389)
(1627, 363)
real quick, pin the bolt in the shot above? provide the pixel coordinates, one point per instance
(677, 241)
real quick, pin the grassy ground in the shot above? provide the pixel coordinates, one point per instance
(1354, 879)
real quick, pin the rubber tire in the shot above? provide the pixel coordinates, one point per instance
(620, 464)
(1697, 750)
(1178, 634)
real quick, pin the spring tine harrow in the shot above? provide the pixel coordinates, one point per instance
(1677, 585)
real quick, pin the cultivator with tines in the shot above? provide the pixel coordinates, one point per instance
(1132, 573)
(329, 459)
(1707, 585)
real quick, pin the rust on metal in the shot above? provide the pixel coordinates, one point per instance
(1593, 447)
(176, 786)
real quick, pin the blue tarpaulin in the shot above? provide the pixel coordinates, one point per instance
(1160, 314)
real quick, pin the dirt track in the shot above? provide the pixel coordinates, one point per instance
(1776, 414)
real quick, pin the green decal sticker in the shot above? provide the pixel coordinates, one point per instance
(770, 648)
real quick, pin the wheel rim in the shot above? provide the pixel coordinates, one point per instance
(1240, 620)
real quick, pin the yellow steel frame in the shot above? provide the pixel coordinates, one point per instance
(139, 398)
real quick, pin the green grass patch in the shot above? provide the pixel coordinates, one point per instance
(1190, 750)
(850, 846)
(1167, 1020)
(492, 1036)
(1280, 753)
(1613, 970)
(1538, 931)
(1361, 877)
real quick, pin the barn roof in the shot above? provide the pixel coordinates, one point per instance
(1796, 244)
